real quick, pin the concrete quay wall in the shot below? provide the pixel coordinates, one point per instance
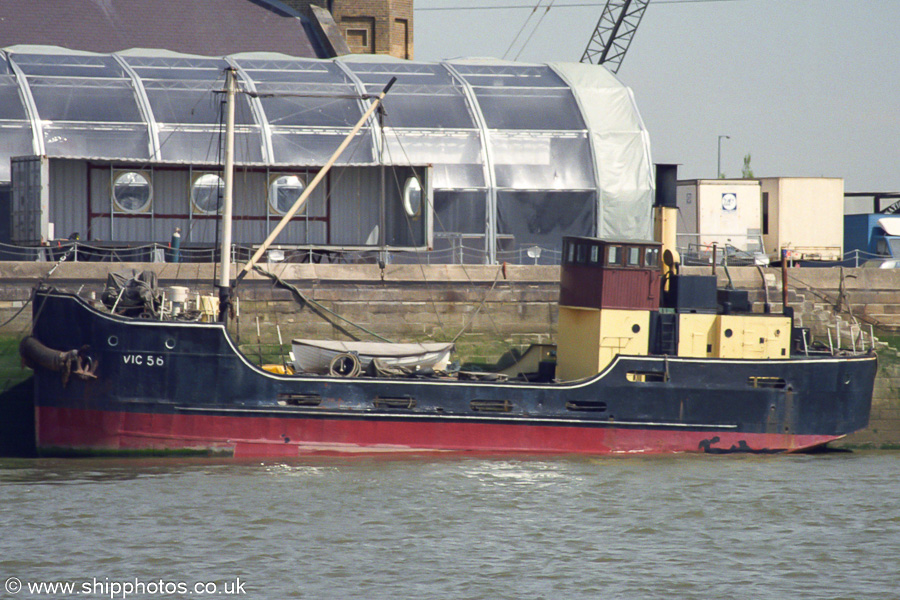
(496, 307)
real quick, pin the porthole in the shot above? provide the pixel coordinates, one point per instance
(206, 194)
(635, 328)
(284, 191)
(170, 343)
(777, 332)
(728, 333)
(412, 197)
(113, 341)
(131, 191)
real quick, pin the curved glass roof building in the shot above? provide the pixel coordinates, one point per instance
(520, 154)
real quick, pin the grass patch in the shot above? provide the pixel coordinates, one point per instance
(11, 370)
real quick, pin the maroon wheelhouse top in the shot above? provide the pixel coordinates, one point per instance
(621, 274)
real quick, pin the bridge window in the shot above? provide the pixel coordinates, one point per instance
(634, 256)
(581, 254)
(614, 256)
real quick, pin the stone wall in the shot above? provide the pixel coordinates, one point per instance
(494, 307)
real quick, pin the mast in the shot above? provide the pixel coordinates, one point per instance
(227, 200)
(312, 185)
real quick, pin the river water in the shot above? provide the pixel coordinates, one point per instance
(821, 526)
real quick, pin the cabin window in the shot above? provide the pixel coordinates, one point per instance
(614, 255)
(765, 213)
(651, 258)
(131, 191)
(206, 194)
(570, 254)
(634, 256)
(595, 254)
(284, 191)
(581, 254)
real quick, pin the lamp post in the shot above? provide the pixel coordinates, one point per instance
(719, 160)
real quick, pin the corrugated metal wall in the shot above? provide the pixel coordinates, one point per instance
(344, 210)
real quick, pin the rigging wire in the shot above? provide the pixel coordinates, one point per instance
(462, 264)
(522, 28)
(536, 26)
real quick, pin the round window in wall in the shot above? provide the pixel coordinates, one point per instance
(206, 194)
(412, 197)
(131, 191)
(284, 190)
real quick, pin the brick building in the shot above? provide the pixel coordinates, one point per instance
(369, 26)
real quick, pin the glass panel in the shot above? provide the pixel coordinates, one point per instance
(131, 191)
(541, 161)
(543, 218)
(379, 74)
(90, 140)
(322, 108)
(17, 141)
(595, 254)
(651, 257)
(301, 71)
(533, 109)
(192, 102)
(313, 147)
(200, 146)
(178, 67)
(459, 212)
(284, 192)
(11, 106)
(614, 256)
(431, 108)
(71, 65)
(581, 253)
(71, 100)
(457, 176)
(206, 194)
(456, 156)
(508, 75)
(634, 256)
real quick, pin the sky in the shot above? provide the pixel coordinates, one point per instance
(807, 88)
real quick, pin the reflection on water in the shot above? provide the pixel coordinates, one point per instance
(638, 527)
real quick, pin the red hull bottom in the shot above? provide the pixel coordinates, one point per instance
(248, 436)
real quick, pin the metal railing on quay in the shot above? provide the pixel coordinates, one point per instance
(457, 251)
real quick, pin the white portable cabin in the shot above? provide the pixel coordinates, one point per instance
(803, 215)
(725, 212)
